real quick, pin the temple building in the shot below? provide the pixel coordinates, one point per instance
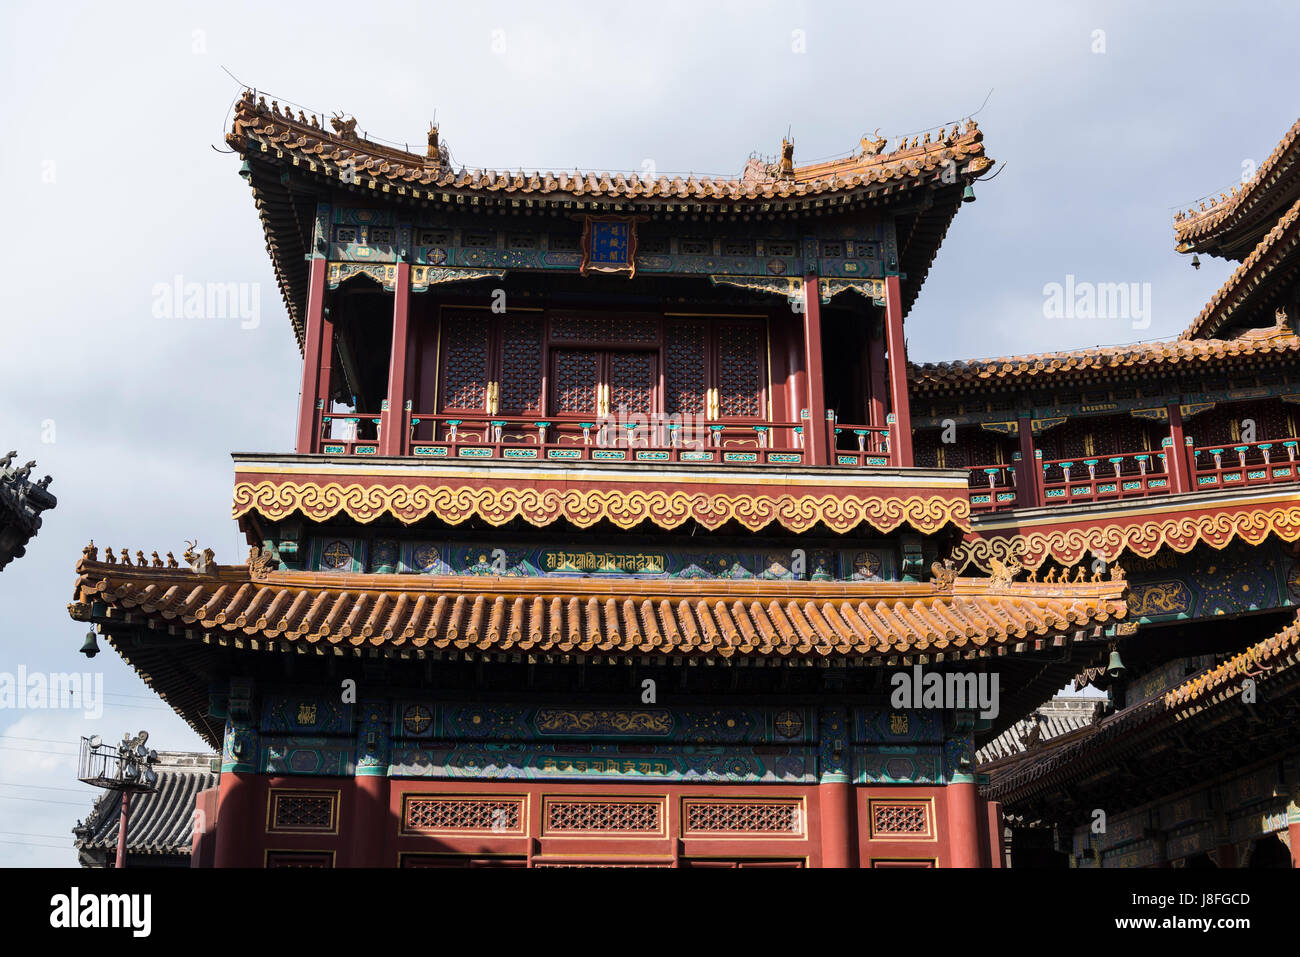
(21, 503)
(616, 516)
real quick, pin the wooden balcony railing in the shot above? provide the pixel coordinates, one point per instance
(992, 487)
(1094, 479)
(1245, 463)
(641, 438)
(344, 433)
(858, 445)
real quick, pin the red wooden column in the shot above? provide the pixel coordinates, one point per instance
(814, 429)
(316, 358)
(796, 378)
(878, 381)
(964, 825)
(1027, 469)
(238, 824)
(836, 799)
(392, 439)
(900, 448)
(1179, 469)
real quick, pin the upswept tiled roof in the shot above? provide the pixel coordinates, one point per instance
(1137, 359)
(302, 137)
(1249, 277)
(1199, 229)
(162, 821)
(1268, 660)
(399, 614)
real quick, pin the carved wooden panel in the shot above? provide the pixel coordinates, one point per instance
(521, 365)
(742, 359)
(605, 329)
(448, 813)
(742, 817)
(897, 820)
(632, 381)
(685, 377)
(300, 811)
(465, 369)
(575, 374)
(642, 817)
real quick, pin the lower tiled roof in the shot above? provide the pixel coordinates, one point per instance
(1267, 660)
(970, 617)
(160, 822)
(1139, 359)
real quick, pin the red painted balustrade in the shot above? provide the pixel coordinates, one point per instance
(1237, 464)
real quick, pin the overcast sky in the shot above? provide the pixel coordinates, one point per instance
(115, 180)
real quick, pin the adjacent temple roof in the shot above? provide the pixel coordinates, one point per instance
(249, 606)
(161, 822)
(1232, 225)
(1170, 357)
(1274, 663)
(273, 141)
(1056, 718)
(21, 504)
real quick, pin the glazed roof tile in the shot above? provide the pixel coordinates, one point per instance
(399, 613)
(1240, 288)
(869, 169)
(1138, 359)
(1199, 229)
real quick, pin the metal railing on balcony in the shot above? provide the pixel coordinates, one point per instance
(1245, 463)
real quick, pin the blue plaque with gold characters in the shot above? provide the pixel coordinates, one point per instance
(609, 245)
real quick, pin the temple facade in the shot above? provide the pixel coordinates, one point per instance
(618, 531)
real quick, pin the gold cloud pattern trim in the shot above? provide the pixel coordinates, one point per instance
(1108, 542)
(585, 507)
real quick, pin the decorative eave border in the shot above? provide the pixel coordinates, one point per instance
(1143, 536)
(497, 504)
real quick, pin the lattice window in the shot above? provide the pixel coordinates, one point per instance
(297, 811)
(631, 382)
(740, 369)
(465, 814)
(576, 376)
(605, 329)
(299, 859)
(767, 817)
(684, 376)
(900, 819)
(623, 816)
(521, 365)
(465, 373)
